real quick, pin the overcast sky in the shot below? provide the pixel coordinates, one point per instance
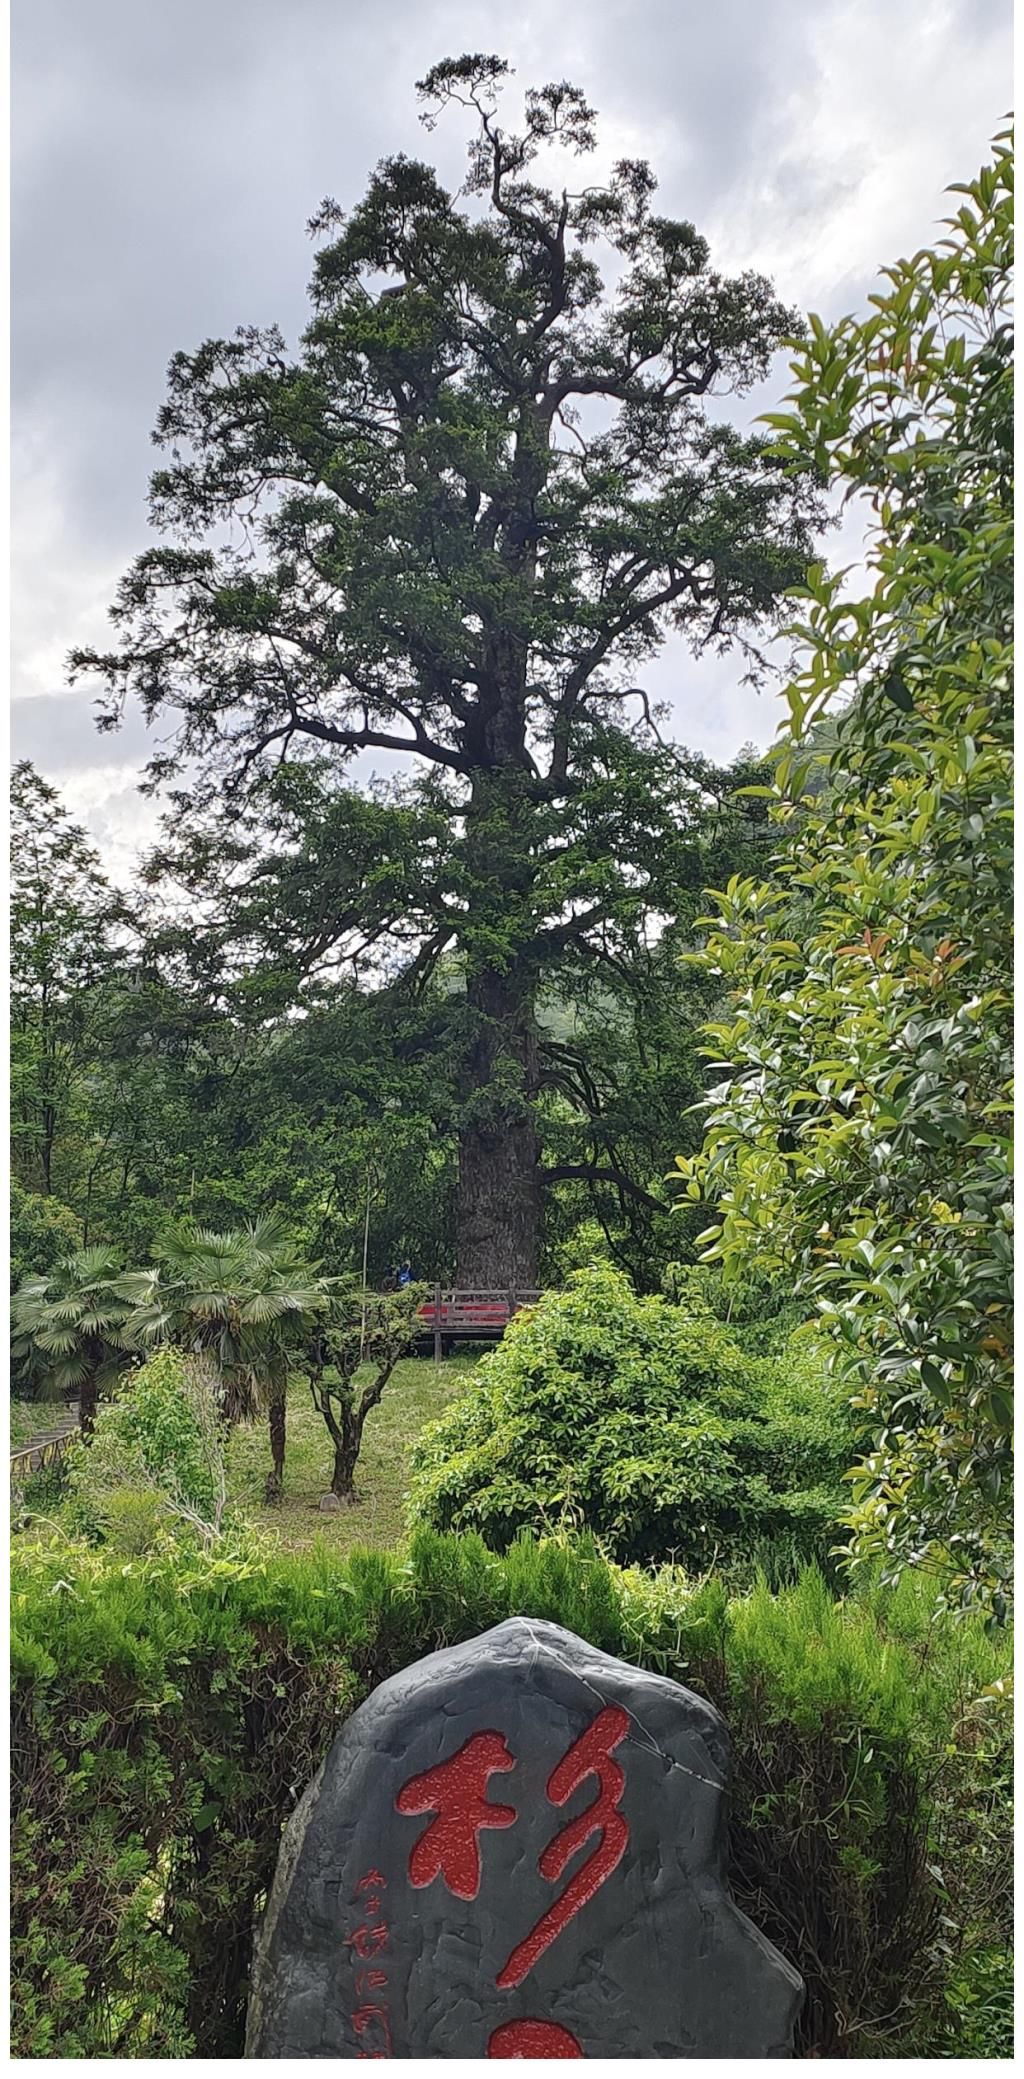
(168, 153)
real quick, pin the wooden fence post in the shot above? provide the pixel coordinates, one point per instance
(437, 1324)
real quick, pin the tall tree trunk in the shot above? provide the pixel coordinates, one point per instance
(277, 1421)
(498, 1193)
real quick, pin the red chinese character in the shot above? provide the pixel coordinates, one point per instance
(532, 2039)
(590, 1755)
(455, 1791)
(373, 1881)
(368, 1941)
(363, 2019)
(376, 1980)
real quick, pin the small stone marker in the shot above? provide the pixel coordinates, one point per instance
(516, 1848)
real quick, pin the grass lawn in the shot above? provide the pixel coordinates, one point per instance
(417, 1391)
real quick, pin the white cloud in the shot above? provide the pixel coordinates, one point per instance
(906, 101)
(60, 591)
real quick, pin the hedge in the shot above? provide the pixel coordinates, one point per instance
(167, 1716)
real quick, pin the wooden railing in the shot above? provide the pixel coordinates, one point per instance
(47, 1448)
(475, 1312)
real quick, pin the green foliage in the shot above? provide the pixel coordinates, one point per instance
(235, 1295)
(31, 1418)
(45, 1491)
(161, 1439)
(63, 917)
(979, 2003)
(132, 1520)
(644, 1423)
(42, 1232)
(164, 1715)
(245, 1299)
(758, 1309)
(859, 1144)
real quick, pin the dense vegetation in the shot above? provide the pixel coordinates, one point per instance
(157, 1083)
(861, 1138)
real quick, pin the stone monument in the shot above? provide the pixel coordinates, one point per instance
(516, 1848)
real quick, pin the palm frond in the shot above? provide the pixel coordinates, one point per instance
(90, 1266)
(136, 1286)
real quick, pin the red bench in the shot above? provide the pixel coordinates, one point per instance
(481, 1314)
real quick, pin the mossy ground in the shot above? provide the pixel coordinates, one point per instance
(417, 1391)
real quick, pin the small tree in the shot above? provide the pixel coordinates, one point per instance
(63, 922)
(371, 1330)
(245, 1298)
(165, 1439)
(70, 1329)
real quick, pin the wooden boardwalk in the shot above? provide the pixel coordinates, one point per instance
(47, 1448)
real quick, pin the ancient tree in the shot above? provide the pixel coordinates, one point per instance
(453, 525)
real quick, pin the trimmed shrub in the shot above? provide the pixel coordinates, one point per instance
(646, 1424)
(167, 1717)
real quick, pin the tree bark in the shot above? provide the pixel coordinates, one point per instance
(343, 1478)
(88, 1401)
(498, 1197)
(276, 1416)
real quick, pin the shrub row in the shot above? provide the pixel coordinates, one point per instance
(166, 1719)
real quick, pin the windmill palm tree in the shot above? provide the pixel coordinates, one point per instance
(246, 1298)
(69, 1329)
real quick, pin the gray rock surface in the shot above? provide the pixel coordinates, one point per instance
(408, 1920)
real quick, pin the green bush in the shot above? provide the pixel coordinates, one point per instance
(165, 1718)
(646, 1424)
(978, 2020)
(44, 1492)
(162, 1442)
(132, 1520)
